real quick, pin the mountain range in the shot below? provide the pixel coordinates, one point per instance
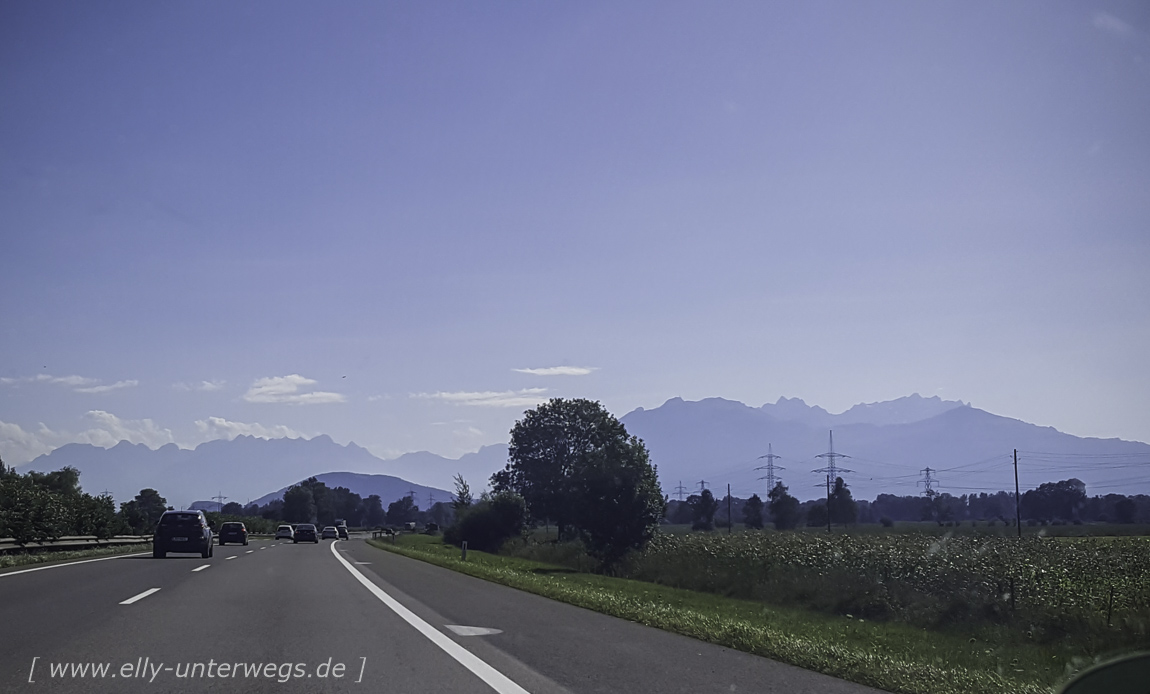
(714, 440)
(889, 444)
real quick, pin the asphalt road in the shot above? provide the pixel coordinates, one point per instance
(342, 617)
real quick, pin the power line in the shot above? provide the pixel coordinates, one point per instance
(928, 483)
(831, 471)
(770, 467)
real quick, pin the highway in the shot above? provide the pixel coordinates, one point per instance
(338, 617)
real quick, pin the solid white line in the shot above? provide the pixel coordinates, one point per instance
(201, 568)
(141, 596)
(231, 557)
(494, 678)
(71, 563)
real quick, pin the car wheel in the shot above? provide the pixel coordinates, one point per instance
(295, 542)
(245, 543)
(157, 554)
(222, 543)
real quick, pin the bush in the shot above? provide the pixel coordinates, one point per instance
(485, 526)
(886, 522)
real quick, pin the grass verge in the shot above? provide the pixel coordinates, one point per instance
(8, 561)
(894, 657)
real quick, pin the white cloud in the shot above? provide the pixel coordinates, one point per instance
(104, 389)
(66, 380)
(111, 430)
(18, 445)
(507, 398)
(79, 384)
(203, 386)
(220, 428)
(559, 371)
(287, 389)
(1110, 23)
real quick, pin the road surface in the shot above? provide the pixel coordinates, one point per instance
(338, 617)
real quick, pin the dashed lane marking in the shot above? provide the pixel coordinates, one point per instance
(141, 596)
(201, 568)
(472, 631)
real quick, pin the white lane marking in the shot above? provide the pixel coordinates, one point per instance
(201, 568)
(71, 563)
(249, 551)
(363, 562)
(260, 548)
(231, 557)
(141, 596)
(472, 631)
(494, 678)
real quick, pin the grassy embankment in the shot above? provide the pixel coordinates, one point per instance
(888, 655)
(28, 558)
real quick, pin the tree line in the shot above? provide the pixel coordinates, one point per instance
(1059, 502)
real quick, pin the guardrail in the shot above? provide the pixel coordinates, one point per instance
(71, 542)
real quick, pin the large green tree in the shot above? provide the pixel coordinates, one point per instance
(753, 512)
(299, 505)
(703, 507)
(575, 464)
(402, 510)
(373, 513)
(142, 513)
(841, 506)
(784, 508)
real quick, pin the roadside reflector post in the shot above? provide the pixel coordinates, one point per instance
(465, 550)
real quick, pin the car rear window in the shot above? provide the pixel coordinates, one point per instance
(232, 526)
(180, 519)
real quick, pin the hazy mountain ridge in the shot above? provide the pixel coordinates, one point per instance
(721, 441)
(246, 468)
(388, 487)
(714, 439)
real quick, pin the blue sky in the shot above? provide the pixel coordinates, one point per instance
(393, 222)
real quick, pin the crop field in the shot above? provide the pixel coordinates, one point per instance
(1088, 594)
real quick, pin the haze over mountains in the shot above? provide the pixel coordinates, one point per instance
(969, 449)
(716, 440)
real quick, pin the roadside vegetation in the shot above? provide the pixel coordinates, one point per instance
(15, 559)
(956, 602)
(891, 656)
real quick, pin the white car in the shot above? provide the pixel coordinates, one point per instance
(284, 532)
(330, 533)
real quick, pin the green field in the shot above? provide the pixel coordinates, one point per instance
(906, 612)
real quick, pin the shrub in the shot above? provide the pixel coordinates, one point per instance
(886, 522)
(485, 526)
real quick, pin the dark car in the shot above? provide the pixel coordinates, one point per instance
(305, 532)
(233, 532)
(182, 531)
(342, 530)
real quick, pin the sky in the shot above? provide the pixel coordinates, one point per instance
(402, 224)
